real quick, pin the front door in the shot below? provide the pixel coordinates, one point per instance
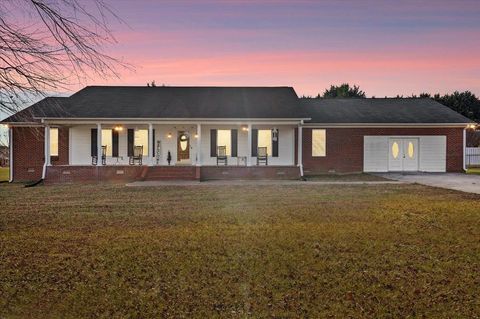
(403, 154)
(183, 146)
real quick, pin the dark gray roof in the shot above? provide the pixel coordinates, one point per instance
(233, 102)
(384, 110)
(49, 105)
(175, 102)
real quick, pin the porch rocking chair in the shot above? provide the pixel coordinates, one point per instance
(222, 155)
(137, 155)
(104, 156)
(262, 155)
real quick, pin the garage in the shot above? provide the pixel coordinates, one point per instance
(405, 153)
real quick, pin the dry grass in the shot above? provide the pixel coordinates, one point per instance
(360, 177)
(238, 251)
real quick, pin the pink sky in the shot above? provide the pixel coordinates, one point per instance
(386, 47)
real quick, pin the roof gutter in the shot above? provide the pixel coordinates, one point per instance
(383, 125)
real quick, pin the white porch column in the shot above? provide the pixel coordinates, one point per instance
(300, 149)
(150, 144)
(199, 144)
(249, 143)
(47, 146)
(99, 144)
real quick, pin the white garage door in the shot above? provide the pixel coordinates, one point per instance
(404, 153)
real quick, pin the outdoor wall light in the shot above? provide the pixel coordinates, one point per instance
(471, 126)
(118, 128)
(169, 135)
(196, 135)
(244, 128)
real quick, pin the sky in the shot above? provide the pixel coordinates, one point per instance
(385, 47)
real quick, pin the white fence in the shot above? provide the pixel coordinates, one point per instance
(472, 156)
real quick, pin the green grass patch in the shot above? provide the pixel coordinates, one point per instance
(384, 251)
(473, 171)
(4, 173)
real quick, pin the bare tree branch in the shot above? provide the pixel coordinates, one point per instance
(58, 43)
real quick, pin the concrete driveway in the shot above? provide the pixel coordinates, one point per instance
(461, 182)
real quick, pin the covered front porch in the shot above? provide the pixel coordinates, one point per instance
(164, 150)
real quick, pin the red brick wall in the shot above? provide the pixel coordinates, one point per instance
(28, 153)
(264, 172)
(70, 174)
(345, 147)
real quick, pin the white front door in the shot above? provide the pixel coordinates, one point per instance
(403, 154)
(410, 154)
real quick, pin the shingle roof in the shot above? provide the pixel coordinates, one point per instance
(175, 102)
(384, 110)
(234, 102)
(49, 105)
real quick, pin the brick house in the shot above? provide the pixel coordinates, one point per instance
(150, 133)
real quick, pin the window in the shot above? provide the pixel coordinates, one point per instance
(107, 140)
(265, 140)
(224, 138)
(395, 150)
(54, 142)
(318, 143)
(141, 139)
(411, 150)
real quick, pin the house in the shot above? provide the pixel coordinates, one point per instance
(149, 133)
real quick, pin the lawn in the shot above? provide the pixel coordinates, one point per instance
(4, 174)
(385, 251)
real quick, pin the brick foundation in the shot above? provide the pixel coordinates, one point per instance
(345, 148)
(263, 172)
(82, 174)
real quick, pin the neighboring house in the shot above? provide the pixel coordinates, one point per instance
(224, 132)
(4, 156)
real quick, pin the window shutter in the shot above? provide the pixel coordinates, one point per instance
(115, 143)
(130, 133)
(93, 142)
(213, 143)
(153, 142)
(275, 144)
(254, 142)
(234, 144)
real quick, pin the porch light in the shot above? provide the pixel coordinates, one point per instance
(196, 135)
(118, 128)
(169, 135)
(244, 128)
(471, 126)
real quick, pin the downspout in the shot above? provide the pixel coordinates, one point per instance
(45, 152)
(10, 153)
(464, 148)
(300, 150)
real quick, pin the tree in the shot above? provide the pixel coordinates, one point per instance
(465, 103)
(343, 91)
(47, 45)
